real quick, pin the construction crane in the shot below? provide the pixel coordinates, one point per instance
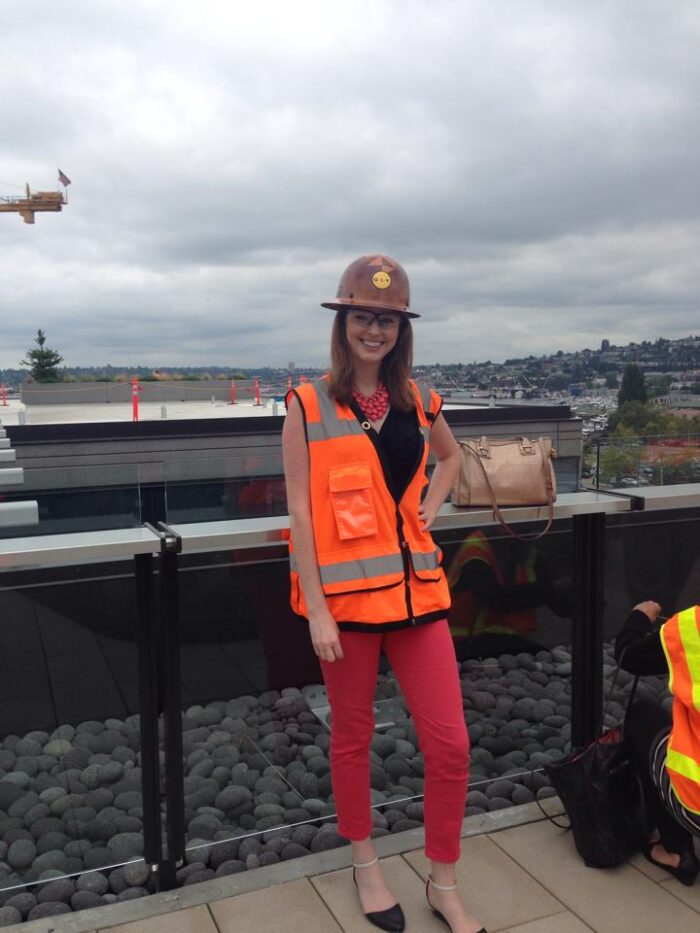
(39, 201)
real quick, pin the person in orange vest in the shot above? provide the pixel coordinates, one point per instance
(665, 749)
(497, 602)
(366, 574)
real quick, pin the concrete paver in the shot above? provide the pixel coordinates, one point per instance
(613, 900)
(340, 895)
(689, 896)
(646, 868)
(494, 887)
(192, 920)
(557, 923)
(294, 907)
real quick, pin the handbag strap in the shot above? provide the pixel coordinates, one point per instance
(498, 515)
(608, 701)
(552, 817)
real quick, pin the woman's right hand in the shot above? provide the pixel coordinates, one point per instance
(325, 635)
(650, 609)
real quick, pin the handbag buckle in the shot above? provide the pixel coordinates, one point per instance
(526, 448)
(483, 451)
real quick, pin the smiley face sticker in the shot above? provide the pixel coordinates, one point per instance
(381, 280)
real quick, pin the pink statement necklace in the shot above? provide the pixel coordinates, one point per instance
(374, 406)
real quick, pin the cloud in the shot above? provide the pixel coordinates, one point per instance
(533, 164)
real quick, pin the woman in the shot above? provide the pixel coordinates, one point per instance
(366, 573)
(665, 750)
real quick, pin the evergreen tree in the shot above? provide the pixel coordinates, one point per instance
(42, 362)
(633, 388)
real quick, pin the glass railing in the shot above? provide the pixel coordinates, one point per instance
(218, 488)
(633, 462)
(160, 721)
(71, 760)
(78, 499)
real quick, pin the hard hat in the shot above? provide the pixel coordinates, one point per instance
(375, 281)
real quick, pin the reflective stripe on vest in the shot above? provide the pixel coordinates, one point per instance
(330, 425)
(690, 636)
(683, 765)
(680, 638)
(681, 642)
(365, 568)
(429, 560)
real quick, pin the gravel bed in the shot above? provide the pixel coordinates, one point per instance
(257, 782)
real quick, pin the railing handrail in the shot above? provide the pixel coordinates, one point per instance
(80, 547)
(124, 543)
(256, 532)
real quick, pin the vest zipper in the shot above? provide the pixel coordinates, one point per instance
(406, 554)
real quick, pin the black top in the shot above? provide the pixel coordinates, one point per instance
(401, 442)
(642, 639)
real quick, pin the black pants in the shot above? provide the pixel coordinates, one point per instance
(645, 720)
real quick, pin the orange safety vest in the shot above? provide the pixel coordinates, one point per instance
(468, 616)
(680, 637)
(378, 569)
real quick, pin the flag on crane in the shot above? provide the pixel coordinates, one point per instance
(64, 179)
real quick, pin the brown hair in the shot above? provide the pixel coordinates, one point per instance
(394, 371)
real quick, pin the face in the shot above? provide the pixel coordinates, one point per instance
(372, 335)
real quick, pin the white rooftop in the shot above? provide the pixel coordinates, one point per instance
(17, 413)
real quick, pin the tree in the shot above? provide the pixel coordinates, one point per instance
(618, 462)
(42, 362)
(611, 381)
(659, 385)
(633, 388)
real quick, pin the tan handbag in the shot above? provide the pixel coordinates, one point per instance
(502, 471)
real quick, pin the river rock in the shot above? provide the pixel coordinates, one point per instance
(48, 909)
(93, 881)
(21, 854)
(124, 846)
(24, 901)
(84, 900)
(136, 874)
(60, 890)
(9, 915)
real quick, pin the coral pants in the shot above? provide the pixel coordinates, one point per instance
(423, 660)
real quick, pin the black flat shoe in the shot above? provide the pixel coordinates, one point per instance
(686, 871)
(442, 887)
(392, 919)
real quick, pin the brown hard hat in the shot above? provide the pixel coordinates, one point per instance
(376, 282)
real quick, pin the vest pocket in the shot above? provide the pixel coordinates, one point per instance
(350, 487)
(427, 566)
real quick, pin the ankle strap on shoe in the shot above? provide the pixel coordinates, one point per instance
(366, 864)
(442, 887)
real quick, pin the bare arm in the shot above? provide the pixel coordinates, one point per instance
(322, 626)
(447, 454)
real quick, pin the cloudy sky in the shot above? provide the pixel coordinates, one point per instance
(534, 166)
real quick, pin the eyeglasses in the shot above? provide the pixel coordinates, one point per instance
(365, 319)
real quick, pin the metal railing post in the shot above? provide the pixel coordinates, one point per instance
(169, 650)
(587, 635)
(148, 709)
